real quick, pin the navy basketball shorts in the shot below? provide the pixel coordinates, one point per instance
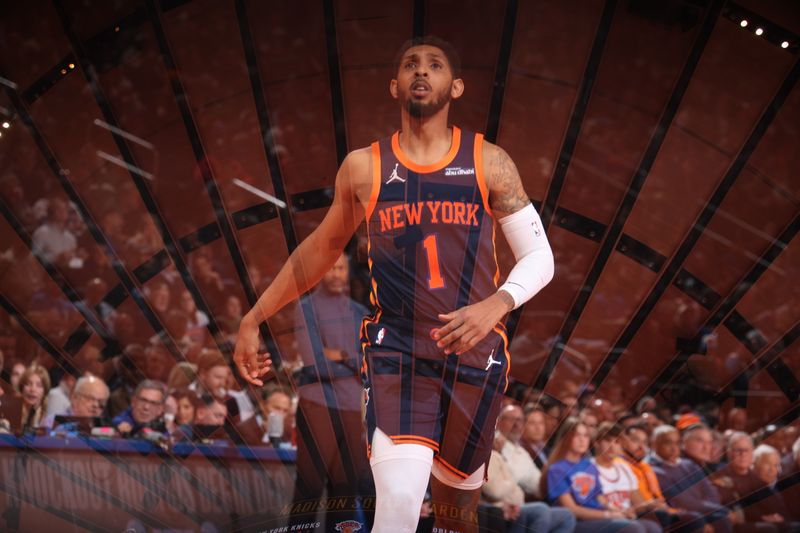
(448, 403)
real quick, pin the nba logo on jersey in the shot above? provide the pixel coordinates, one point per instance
(394, 176)
(348, 526)
(379, 337)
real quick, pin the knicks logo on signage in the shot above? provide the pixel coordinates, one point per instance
(435, 212)
(582, 484)
(348, 526)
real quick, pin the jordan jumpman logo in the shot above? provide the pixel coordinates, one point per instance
(490, 361)
(394, 176)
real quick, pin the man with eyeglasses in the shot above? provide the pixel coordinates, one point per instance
(146, 410)
(88, 399)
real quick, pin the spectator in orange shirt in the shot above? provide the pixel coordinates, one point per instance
(634, 442)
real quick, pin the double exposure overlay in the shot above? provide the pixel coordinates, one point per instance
(163, 163)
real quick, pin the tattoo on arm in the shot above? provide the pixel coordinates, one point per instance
(507, 194)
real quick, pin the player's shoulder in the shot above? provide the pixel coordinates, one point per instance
(359, 160)
(494, 156)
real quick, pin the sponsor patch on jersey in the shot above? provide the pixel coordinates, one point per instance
(582, 484)
(348, 526)
(459, 171)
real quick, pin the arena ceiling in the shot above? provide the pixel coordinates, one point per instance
(658, 140)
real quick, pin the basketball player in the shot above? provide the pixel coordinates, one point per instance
(435, 360)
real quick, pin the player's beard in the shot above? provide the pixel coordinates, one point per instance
(417, 109)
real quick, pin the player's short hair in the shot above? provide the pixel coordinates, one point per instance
(447, 48)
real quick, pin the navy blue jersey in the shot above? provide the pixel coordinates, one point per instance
(431, 233)
(431, 251)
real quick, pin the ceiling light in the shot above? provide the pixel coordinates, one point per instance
(759, 31)
(785, 44)
(6, 125)
(743, 23)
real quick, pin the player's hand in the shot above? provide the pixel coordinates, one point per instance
(251, 365)
(467, 326)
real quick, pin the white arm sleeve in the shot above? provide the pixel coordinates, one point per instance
(535, 266)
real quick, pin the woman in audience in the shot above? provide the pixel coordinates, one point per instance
(571, 480)
(181, 408)
(34, 386)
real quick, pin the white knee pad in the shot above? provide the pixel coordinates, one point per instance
(401, 473)
(474, 481)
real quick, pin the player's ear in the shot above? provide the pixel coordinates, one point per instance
(393, 88)
(457, 89)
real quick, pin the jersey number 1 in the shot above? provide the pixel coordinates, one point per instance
(435, 280)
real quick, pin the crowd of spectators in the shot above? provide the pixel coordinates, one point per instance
(582, 462)
(645, 471)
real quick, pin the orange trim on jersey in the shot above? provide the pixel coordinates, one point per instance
(415, 439)
(376, 180)
(453, 470)
(424, 169)
(494, 252)
(501, 331)
(479, 174)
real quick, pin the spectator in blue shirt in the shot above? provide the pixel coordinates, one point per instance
(571, 480)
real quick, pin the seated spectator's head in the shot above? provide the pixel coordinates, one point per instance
(34, 384)
(160, 297)
(590, 420)
(187, 304)
(211, 412)
(212, 372)
(698, 443)
(740, 452)
(634, 441)
(275, 400)
(181, 376)
(603, 408)
(646, 405)
(57, 211)
(233, 307)
(650, 421)
(17, 369)
(535, 429)
(667, 443)
(572, 442)
(796, 453)
(510, 422)
(606, 441)
(177, 322)
(89, 396)
(337, 279)
(123, 326)
(186, 404)
(158, 362)
(767, 463)
(736, 419)
(148, 401)
(132, 364)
